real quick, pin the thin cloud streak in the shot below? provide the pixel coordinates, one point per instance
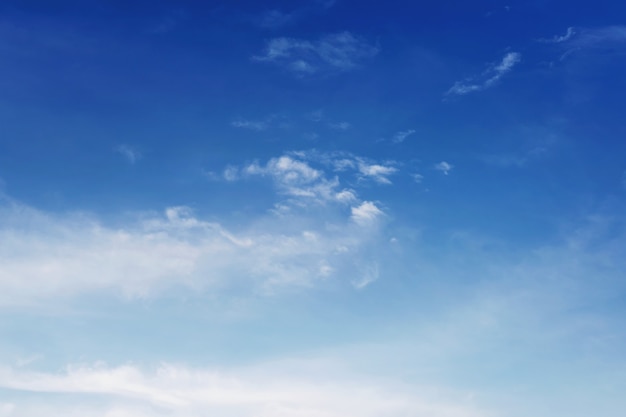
(337, 52)
(569, 34)
(400, 137)
(489, 78)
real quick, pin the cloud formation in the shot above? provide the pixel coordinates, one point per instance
(44, 257)
(131, 154)
(444, 167)
(488, 78)
(337, 52)
(377, 172)
(399, 137)
(293, 245)
(296, 179)
(295, 176)
(596, 37)
(605, 40)
(366, 213)
(569, 33)
(266, 390)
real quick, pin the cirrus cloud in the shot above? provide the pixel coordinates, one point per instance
(337, 52)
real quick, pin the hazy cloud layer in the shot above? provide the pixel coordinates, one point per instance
(270, 390)
(44, 255)
(337, 52)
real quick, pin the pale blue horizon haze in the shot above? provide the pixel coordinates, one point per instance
(318, 208)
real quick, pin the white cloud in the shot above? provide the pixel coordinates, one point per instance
(302, 67)
(304, 388)
(338, 52)
(6, 409)
(444, 167)
(489, 78)
(296, 178)
(377, 172)
(349, 196)
(562, 38)
(231, 173)
(399, 137)
(418, 178)
(345, 162)
(342, 164)
(44, 256)
(585, 41)
(366, 213)
(290, 171)
(597, 37)
(294, 175)
(507, 63)
(131, 154)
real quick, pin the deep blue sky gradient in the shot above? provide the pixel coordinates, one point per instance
(496, 283)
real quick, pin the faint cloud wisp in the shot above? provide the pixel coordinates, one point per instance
(488, 78)
(131, 154)
(337, 52)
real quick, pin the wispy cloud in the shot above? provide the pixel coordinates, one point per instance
(444, 167)
(488, 78)
(257, 125)
(597, 37)
(303, 388)
(231, 173)
(340, 126)
(276, 18)
(569, 34)
(44, 256)
(336, 162)
(377, 172)
(265, 123)
(302, 184)
(297, 179)
(131, 154)
(370, 275)
(581, 40)
(338, 52)
(540, 300)
(366, 213)
(399, 137)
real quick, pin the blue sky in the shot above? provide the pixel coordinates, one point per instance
(312, 209)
